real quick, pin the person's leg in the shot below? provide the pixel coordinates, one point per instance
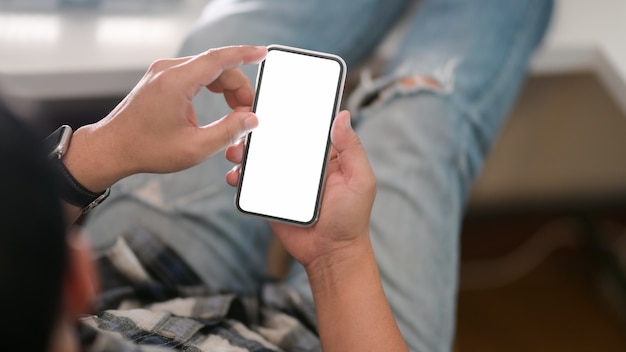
(427, 141)
(427, 125)
(349, 28)
(193, 211)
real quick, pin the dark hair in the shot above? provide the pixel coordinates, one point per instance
(33, 245)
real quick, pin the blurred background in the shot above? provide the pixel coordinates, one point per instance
(544, 238)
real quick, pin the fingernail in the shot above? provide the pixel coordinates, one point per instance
(250, 122)
(348, 122)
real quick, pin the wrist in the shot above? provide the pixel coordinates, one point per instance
(89, 160)
(335, 267)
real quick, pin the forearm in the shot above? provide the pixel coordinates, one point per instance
(352, 308)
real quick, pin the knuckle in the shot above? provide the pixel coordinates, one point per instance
(162, 74)
(159, 65)
(214, 52)
(213, 56)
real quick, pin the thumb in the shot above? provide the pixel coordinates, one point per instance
(228, 130)
(343, 137)
(348, 145)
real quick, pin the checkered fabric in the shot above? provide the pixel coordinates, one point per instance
(153, 301)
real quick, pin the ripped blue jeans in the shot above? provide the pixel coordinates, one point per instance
(427, 121)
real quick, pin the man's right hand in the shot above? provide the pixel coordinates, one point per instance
(347, 201)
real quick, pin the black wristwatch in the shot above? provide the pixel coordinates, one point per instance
(69, 188)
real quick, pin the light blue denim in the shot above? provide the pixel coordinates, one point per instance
(426, 144)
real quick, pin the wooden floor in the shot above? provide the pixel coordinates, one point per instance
(561, 304)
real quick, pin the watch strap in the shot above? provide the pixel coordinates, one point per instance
(73, 192)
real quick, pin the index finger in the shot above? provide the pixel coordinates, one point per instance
(205, 68)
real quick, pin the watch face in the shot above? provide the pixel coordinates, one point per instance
(56, 143)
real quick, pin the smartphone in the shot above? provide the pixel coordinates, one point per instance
(298, 94)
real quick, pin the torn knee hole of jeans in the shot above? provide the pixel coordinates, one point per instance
(402, 86)
(407, 79)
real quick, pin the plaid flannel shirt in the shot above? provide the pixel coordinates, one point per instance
(153, 301)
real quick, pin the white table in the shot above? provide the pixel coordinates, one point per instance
(84, 54)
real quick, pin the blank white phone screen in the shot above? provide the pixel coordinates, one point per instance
(297, 98)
